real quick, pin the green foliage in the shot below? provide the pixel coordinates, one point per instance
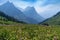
(5, 19)
(29, 32)
(10, 30)
(55, 20)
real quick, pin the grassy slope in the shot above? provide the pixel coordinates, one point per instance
(7, 20)
(55, 20)
(29, 32)
(3, 20)
(20, 31)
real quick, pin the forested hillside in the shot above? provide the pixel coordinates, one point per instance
(55, 20)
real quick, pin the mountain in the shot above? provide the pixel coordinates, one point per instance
(5, 19)
(9, 9)
(2, 14)
(30, 12)
(55, 20)
(29, 16)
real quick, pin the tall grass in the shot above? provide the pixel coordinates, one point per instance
(29, 32)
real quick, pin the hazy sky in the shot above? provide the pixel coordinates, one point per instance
(46, 8)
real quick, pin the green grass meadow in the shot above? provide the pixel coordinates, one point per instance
(29, 32)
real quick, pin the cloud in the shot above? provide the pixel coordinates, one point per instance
(38, 2)
(22, 4)
(32, 1)
(46, 8)
(2, 1)
(48, 11)
(47, 2)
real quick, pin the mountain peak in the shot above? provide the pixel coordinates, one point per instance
(31, 13)
(7, 3)
(9, 9)
(30, 8)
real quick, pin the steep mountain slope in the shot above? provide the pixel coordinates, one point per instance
(30, 12)
(5, 19)
(9, 9)
(55, 20)
(29, 16)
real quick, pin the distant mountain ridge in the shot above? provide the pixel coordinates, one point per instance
(31, 13)
(9, 9)
(6, 18)
(29, 16)
(55, 20)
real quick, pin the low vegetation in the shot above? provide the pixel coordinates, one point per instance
(55, 20)
(29, 32)
(11, 30)
(7, 20)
